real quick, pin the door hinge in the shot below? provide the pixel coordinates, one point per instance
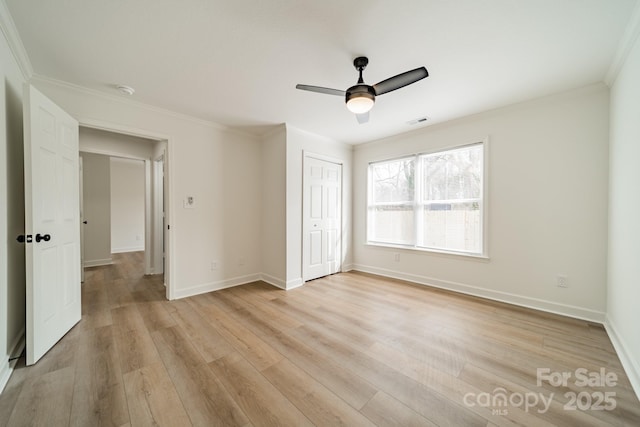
(25, 239)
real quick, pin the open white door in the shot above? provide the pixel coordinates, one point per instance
(322, 218)
(52, 223)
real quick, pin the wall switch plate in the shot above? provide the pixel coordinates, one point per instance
(189, 202)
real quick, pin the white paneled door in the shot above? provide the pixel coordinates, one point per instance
(52, 223)
(322, 218)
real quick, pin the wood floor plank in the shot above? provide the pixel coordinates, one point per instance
(263, 403)
(263, 309)
(136, 349)
(99, 397)
(384, 410)
(319, 404)
(413, 394)
(152, 398)
(209, 343)
(352, 388)
(44, 400)
(155, 315)
(127, 318)
(205, 399)
(254, 349)
(350, 349)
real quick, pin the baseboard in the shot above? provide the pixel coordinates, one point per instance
(295, 283)
(216, 286)
(7, 366)
(629, 362)
(346, 267)
(125, 250)
(273, 281)
(98, 262)
(524, 301)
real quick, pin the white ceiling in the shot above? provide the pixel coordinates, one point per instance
(237, 62)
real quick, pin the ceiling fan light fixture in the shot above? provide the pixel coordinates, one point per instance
(360, 99)
(360, 103)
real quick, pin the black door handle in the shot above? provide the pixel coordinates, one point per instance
(84, 222)
(40, 237)
(22, 238)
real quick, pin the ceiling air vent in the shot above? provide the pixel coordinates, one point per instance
(418, 120)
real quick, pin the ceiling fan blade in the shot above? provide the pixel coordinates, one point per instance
(401, 80)
(319, 89)
(362, 118)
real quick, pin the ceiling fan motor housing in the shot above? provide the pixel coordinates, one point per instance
(360, 91)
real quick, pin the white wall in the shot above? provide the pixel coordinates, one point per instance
(298, 143)
(217, 166)
(623, 290)
(547, 205)
(96, 200)
(115, 144)
(273, 208)
(127, 205)
(12, 260)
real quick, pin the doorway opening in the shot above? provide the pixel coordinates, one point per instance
(123, 205)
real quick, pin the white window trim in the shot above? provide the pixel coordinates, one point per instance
(484, 205)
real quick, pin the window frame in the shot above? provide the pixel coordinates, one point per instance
(418, 203)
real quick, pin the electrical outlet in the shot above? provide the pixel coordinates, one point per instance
(562, 281)
(241, 261)
(396, 257)
(214, 265)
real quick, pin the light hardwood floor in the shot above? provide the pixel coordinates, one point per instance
(350, 349)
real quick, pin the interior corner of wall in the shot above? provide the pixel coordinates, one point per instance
(629, 361)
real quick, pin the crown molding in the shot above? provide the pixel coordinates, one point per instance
(629, 38)
(131, 103)
(14, 41)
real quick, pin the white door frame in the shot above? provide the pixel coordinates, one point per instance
(168, 191)
(309, 154)
(158, 212)
(81, 179)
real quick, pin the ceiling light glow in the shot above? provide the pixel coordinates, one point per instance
(360, 103)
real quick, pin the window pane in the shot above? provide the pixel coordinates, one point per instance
(393, 181)
(453, 226)
(453, 175)
(391, 224)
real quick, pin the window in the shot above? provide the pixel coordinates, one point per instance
(429, 201)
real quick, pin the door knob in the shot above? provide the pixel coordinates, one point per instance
(22, 238)
(84, 222)
(40, 237)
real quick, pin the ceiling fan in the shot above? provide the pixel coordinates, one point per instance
(361, 97)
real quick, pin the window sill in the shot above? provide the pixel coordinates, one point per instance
(454, 254)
